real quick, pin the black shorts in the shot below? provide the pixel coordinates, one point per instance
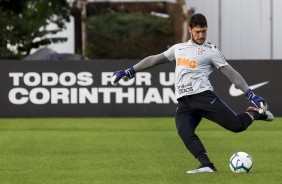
(191, 109)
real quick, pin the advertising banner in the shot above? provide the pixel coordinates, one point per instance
(263, 77)
(83, 88)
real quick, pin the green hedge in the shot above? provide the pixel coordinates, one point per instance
(127, 35)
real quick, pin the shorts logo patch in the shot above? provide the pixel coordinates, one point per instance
(212, 102)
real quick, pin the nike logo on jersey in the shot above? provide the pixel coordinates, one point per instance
(233, 91)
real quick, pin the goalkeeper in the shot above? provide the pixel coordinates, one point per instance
(195, 60)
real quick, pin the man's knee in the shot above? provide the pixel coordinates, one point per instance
(238, 130)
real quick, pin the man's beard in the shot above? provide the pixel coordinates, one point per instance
(196, 41)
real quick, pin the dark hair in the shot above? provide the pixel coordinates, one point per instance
(197, 19)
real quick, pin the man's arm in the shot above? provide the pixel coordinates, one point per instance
(240, 83)
(150, 62)
(144, 64)
(235, 78)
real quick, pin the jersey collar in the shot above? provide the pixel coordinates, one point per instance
(192, 43)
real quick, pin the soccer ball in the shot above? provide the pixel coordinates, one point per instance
(241, 162)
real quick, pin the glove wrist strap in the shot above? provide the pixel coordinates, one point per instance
(130, 72)
(250, 94)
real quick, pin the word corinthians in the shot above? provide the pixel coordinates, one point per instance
(71, 88)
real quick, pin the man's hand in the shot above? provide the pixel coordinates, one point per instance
(129, 73)
(258, 101)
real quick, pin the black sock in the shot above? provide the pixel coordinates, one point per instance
(255, 115)
(204, 159)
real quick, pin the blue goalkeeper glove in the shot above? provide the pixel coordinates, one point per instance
(258, 101)
(129, 73)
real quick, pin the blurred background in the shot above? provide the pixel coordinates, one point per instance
(62, 122)
(241, 29)
(115, 34)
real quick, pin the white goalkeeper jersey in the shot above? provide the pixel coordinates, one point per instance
(194, 64)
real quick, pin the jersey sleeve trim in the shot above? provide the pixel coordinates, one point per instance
(219, 61)
(169, 54)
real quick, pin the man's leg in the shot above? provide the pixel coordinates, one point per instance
(214, 109)
(186, 123)
(256, 115)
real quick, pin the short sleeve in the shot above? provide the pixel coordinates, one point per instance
(218, 59)
(169, 53)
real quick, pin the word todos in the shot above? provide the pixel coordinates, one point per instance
(80, 88)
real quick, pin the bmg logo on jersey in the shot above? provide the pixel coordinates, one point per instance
(192, 63)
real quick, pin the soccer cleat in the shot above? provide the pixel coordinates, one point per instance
(203, 169)
(265, 115)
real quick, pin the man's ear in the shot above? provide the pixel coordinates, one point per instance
(190, 30)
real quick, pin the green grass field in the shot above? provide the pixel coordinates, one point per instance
(130, 150)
